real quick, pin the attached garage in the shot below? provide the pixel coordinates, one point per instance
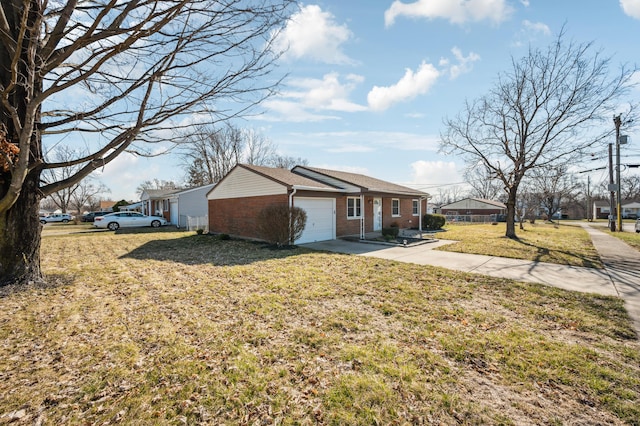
(321, 219)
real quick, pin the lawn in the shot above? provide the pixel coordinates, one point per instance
(166, 327)
(541, 242)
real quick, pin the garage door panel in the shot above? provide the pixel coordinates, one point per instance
(320, 224)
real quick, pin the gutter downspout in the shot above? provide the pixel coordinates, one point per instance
(362, 217)
(290, 207)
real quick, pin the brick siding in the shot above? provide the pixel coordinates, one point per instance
(238, 216)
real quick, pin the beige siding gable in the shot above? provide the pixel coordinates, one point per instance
(240, 183)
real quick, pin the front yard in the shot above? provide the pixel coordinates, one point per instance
(541, 242)
(174, 328)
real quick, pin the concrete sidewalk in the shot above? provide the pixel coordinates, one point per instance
(621, 276)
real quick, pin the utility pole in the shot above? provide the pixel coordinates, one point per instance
(617, 122)
(589, 217)
(612, 222)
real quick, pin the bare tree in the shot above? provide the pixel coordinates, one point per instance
(63, 196)
(483, 183)
(156, 184)
(554, 186)
(286, 162)
(630, 187)
(210, 153)
(548, 109)
(87, 195)
(118, 75)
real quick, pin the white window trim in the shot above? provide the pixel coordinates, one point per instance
(392, 213)
(417, 213)
(357, 201)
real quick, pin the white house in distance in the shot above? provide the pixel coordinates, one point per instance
(177, 205)
(630, 209)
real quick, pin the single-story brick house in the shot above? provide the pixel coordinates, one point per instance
(474, 206)
(337, 203)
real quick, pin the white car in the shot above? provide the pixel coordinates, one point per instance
(113, 221)
(638, 225)
(58, 217)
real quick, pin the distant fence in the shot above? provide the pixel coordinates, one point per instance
(192, 223)
(469, 219)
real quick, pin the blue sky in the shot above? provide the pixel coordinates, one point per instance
(370, 81)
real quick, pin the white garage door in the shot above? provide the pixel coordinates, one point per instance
(173, 212)
(321, 221)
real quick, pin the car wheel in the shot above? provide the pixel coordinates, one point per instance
(113, 226)
(65, 221)
(44, 222)
(155, 224)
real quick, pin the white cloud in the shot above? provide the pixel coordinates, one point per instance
(631, 8)
(463, 65)
(333, 141)
(434, 172)
(408, 87)
(310, 98)
(456, 11)
(536, 27)
(314, 34)
(342, 149)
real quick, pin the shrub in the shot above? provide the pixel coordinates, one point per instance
(433, 221)
(390, 233)
(280, 224)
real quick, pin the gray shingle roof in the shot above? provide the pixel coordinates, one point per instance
(286, 177)
(366, 183)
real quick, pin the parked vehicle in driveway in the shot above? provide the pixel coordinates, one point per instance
(57, 217)
(638, 225)
(90, 217)
(114, 221)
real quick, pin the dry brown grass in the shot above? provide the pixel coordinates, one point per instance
(173, 328)
(540, 242)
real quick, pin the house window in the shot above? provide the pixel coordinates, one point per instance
(354, 208)
(415, 207)
(395, 207)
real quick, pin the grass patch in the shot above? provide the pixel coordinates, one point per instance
(540, 242)
(171, 327)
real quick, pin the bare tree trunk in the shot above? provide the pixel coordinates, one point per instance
(20, 232)
(511, 213)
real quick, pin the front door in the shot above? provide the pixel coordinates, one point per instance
(377, 214)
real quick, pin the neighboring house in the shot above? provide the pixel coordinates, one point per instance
(473, 206)
(629, 209)
(107, 205)
(337, 203)
(601, 209)
(189, 203)
(157, 202)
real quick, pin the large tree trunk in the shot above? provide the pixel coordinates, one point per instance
(511, 213)
(20, 237)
